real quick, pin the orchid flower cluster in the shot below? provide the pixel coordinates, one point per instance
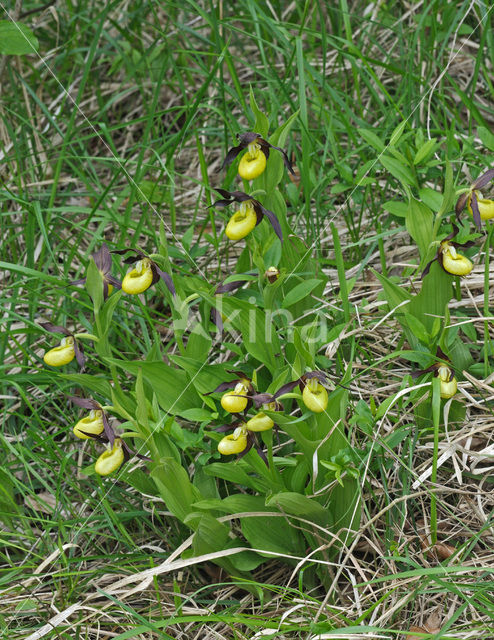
(453, 262)
(145, 271)
(95, 425)
(252, 164)
(243, 397)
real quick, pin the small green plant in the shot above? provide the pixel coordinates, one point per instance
(283, 456)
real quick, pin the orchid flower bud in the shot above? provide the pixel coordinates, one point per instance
(449, 384)
(272, 274)
(253, 162)
(486, 207)
(315, 396)
(260, 422)
(92, 423)
(242, 222)
(236, 442)
(236, 400)
(453, 262)
(110, 460)
(62, 354)
(139, 278)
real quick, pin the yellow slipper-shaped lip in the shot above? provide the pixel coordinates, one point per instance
(235, 401)
(109, 461)
(61, 355)
(242, 222)
(233, 443)
(252, 164)
(315, 396)
(93, 424)
(139, 278)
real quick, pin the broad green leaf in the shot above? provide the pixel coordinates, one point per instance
(272, 534)
(398, 170)
(204, 377)
(397, 133)
(331, 421)
(108, 309)
(141, 409)
(234, 473)
(419, 223)
(371, 138)
(16, 39)
(90, 382)
(258, 333)
(345, 508)
(487, 137)
(239, 503)
(175, 487)
(432, 300)
(196, 415)
(300, 291)
(417, 327)
(396, 207)
(432, 198)
(425, 151)
(276, 167)
(448, 192)
(174, 391)
(460, 355)
(210, 535)
(280, 136)
(94, 285)
(299, 505)
(246, 560)
(395, 295)
(261, 125)
(198, 344)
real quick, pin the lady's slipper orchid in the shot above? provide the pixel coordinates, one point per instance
(314, 394)
(234, 443)
(260, 422)
(68, 349)
(237, 400)
(450, 260)
(92, 425)
(61, 355)
(102, 259)
(253, 162)
(250, 214)
(110, 460)
(97, 427)
(272, 274)
(139, 278)
(449, 384)
(479, 207)
(444, 372)
(144, 274)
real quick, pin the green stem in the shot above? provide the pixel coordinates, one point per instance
(436, 414)
(340, 265)
(486, 301)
